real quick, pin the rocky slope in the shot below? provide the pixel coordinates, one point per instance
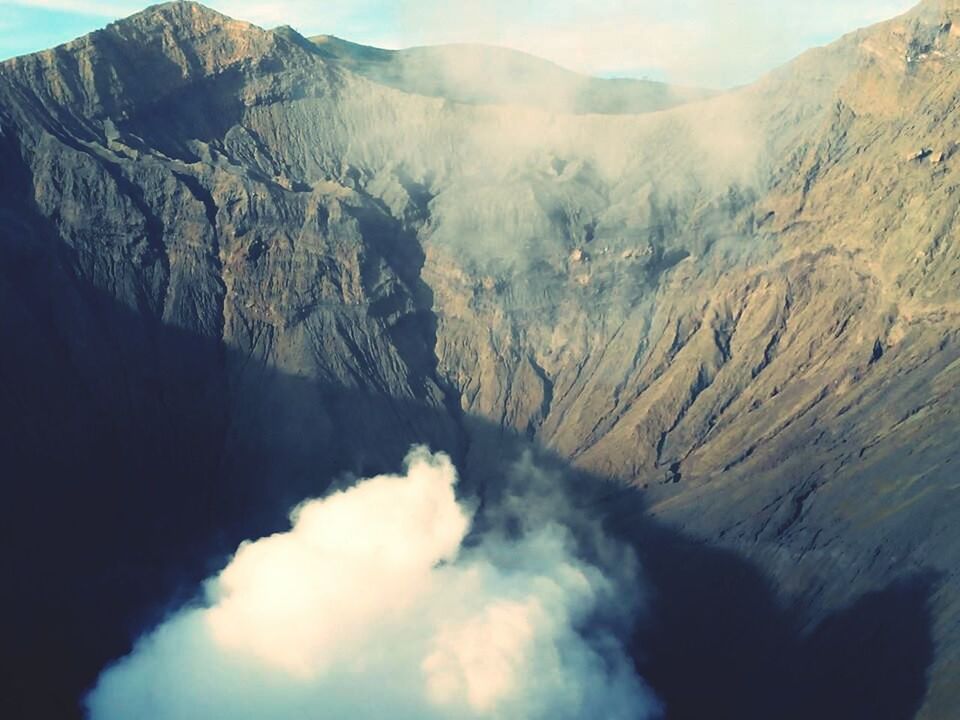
(235, 266)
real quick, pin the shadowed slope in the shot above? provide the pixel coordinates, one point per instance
(131, 482)
(742, 308)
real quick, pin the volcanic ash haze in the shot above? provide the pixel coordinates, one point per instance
(236, 263)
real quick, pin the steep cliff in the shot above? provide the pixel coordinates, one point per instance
(236, 263)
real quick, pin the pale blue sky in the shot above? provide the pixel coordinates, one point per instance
(705, 42)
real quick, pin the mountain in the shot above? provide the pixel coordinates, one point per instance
(237, 263)
(481, 74)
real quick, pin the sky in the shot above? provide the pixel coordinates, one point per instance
(709, 43)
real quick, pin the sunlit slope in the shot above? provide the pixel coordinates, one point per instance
(745, 305)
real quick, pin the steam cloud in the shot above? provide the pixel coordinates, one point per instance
(377, 603)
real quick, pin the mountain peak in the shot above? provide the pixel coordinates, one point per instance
(184, 19)
(182, 12)
(197, 39)
(138, 59)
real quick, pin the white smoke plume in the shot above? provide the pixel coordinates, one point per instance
(373, 606)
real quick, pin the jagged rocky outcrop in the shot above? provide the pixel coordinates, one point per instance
(236, 263)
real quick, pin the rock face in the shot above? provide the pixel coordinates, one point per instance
(235, 263)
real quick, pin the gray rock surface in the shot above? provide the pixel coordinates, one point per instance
(235, 264)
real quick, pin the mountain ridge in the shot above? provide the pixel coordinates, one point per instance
(743, 308)
(476, 74)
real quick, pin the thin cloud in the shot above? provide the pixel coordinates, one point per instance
(702, 42)
(705, 42)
